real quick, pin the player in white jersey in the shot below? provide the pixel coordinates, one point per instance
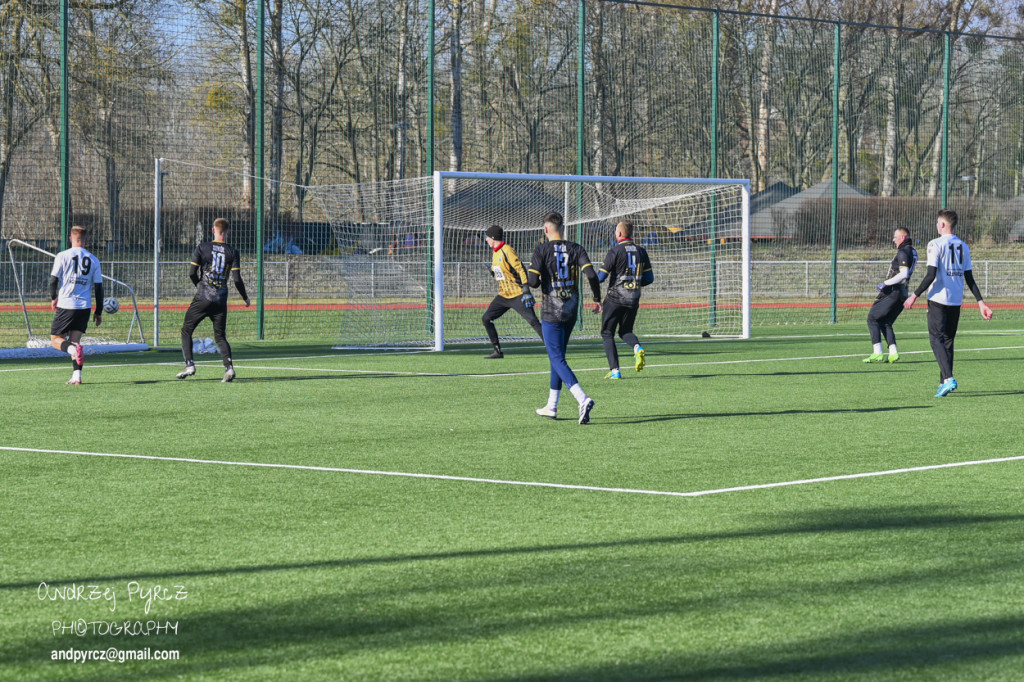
(949, 269)
(73, 279)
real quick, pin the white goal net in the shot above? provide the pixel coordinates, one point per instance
(695, 231)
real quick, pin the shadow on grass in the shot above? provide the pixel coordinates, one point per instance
(900, 518)
(360, 622)
(765, 413)
(921, 651)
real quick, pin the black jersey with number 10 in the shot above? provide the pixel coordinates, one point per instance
(216, 260)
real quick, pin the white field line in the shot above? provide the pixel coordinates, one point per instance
(247, 364)
(495, 481)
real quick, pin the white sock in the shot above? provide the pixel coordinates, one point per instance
(878, 348)
(577, 392)
(76, 374)
(636, 347)
(892, 349)
(71, 349)
(553, 395)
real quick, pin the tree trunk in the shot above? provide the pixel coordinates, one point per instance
(277, 60)
(402, 124)
(455, 52)
(249, 111)
(599, 78)
(890, 151)
(764, 108)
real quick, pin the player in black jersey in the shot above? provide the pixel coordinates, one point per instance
(556, 267)
(212, 264)
(627, 267)
(891, 294)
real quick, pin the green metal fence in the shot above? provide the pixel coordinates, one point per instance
(882, 125)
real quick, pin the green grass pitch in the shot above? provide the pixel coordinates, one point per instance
(324, 570)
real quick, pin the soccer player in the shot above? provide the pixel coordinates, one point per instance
(627, 268)
(891, 294)
(212, 263)
(513, 291)
(949, 268)
(556, 267)
(74, 277)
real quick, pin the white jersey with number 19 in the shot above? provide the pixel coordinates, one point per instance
(951, 258)
(77, 270)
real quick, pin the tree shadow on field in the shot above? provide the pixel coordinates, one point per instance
(766, 413)
(463, 604)
(831, 520)
(921, 649)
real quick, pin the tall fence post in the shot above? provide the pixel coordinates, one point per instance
(946, 50)
(431, 63)
(157, 205)
(712, 235)
(581, 46)
(260, 183)
(834, 218)
(65, 179)
(581, 74)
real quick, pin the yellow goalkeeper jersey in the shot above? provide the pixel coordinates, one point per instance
(508, 271)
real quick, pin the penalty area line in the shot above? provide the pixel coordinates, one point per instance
(535, 484)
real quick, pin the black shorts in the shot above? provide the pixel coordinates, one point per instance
(616, 316)
(67, 320)
(501, 305)
(199, 310)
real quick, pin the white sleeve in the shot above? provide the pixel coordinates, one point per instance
(967, 258)
(898, 277)
(58, 266)
(97, 277)
(933, 255)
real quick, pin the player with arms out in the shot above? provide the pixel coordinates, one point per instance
(212, 264)
(556, 267)
(949, 269)
(74, 278)
(891, 294)
(627, 267)
(513, 291)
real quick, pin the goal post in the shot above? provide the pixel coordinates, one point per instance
(29, 268)
(696, 231)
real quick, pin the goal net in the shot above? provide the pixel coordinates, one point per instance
(26, 273)
(694, 230)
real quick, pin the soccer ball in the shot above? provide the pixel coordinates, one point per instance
(110, 305)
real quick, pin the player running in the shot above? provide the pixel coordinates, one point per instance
(949, 268)
(891, 294)
(212, 263)
(627, 267)
(555, 268)
(74, 277)
(513, 290)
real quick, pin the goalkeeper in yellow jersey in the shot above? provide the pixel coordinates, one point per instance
(513, 292)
